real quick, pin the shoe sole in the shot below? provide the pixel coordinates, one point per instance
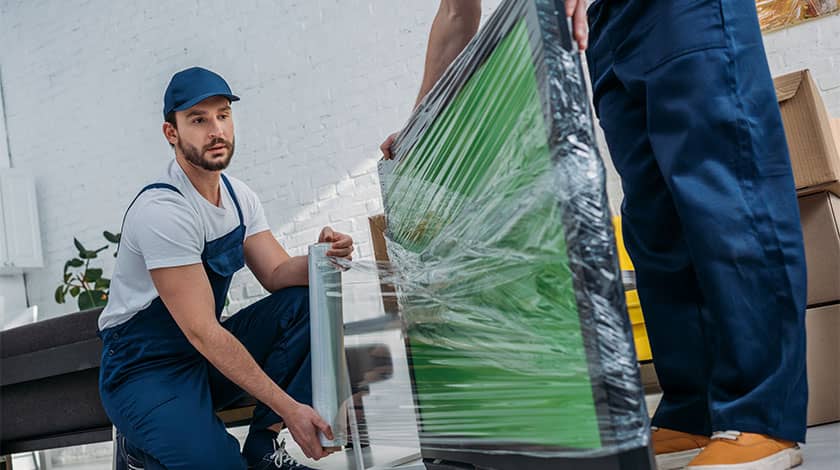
(784, 460)
(676, 460)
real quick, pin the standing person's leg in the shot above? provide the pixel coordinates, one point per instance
(666, 279)
(716, 131)
(275, 330)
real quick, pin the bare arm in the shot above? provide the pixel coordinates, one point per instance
(186, 292)
(454, 25)
(271, 265)
(457, 22)
(276, 270)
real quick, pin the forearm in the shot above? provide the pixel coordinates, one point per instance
(187, 294)
(292, 272)
(454, 25)
(231, 358)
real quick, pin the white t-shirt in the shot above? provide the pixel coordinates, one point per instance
(165, 229)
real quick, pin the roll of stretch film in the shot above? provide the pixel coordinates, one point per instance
(330, 380)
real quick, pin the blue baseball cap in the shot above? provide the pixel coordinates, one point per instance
(192, 86)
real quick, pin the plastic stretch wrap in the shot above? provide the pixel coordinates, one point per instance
(330, 382)
(503, 265)
(775, 14)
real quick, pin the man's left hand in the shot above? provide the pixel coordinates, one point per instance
(342, 244)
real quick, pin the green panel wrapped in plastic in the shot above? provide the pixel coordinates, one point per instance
(508, 283)
(504, 340)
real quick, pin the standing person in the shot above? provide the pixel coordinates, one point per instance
(168, 363)
(685, 97)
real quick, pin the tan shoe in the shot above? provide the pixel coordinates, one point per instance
(733, 450)
(674, 449)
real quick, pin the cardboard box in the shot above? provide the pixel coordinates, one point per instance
(835, 132)
(820, 216)
(377, 236)
(823, 329)
(650, 382)
(813, 152)
(380, 254)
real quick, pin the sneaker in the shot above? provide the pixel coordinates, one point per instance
(279, 459)
(127, 457)
(733, 450)
(674, 449)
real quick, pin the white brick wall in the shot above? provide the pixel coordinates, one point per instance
(322, 83)
(12, 288)
(4, 149)
(813, 45)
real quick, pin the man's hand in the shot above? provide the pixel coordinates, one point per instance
(576, 10)
(304, 423)
(386, 146)
(342, 244)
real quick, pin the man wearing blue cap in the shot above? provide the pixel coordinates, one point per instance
(168, 362)
(710, 218)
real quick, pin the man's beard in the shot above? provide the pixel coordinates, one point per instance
(196, 156)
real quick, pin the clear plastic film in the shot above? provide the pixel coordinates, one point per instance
(497, 332)
(330, 382)
(776, 14)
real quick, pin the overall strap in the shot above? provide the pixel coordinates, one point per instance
(148, 187)
(233, 196)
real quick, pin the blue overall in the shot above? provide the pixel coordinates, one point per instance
(686, 101)
(161, 393)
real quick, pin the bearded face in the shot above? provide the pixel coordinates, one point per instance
(214, 156)
(203, 134)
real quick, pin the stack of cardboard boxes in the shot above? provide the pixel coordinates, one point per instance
(814, 142)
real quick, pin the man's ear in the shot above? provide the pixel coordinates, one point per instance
(170, 133)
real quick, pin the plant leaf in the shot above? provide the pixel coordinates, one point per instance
(91, 299)
(103, 283)
(67, 277)
(59, 295)
(73, 263)
(111, 237)
(74, 291)
(87, 254)
(79, 245)
(100, 249)
(92, 274)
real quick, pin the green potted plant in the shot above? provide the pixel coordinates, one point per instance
(83, 281)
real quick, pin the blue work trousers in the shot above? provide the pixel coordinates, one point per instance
(710, 219)
(162, 394)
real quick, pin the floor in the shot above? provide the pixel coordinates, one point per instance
(822, 452)
(391, 420)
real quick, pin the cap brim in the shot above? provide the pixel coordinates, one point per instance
(198, 99)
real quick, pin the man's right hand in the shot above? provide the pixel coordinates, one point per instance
(304, 423)
(386, 146)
